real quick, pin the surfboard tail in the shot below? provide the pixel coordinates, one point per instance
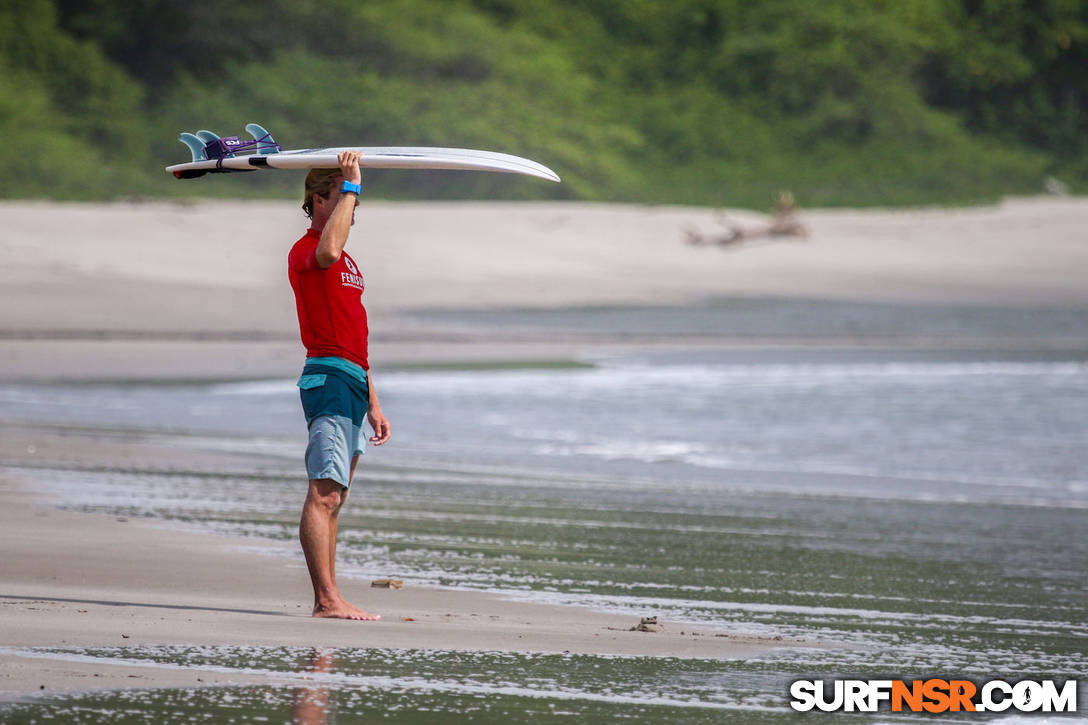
(195, 144)
(265, 143)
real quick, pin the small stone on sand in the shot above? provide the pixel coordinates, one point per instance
(388, 583)
(648, 624)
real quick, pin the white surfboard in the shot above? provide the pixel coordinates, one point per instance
(214, 155)
(373, 157)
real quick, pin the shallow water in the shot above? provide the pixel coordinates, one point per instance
(747, 317)
(931, 426)
(927, 509)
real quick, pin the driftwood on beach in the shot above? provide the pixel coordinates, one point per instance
(784, 224)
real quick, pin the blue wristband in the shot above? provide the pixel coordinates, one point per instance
(353, 188)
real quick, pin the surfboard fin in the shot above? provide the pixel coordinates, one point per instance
(265, 143)
(196, 146)
(216, 147)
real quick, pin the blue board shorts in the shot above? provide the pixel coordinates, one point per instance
(335, 398)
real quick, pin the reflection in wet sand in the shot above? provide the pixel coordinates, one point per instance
(310, 705)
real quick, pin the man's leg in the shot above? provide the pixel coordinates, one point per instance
(317, 532)
(336, 519)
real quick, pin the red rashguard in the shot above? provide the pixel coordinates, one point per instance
(331, 316)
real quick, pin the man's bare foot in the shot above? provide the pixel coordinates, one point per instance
(342, 610)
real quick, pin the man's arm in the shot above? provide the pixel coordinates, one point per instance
(377, 420)
(335, 234)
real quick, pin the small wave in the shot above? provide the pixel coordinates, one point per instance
(630, 376)
(642, 451)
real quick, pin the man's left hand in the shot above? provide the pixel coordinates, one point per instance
(380, 425)
(349, 166)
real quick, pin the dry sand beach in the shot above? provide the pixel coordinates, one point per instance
(158, 291)
(197, 290)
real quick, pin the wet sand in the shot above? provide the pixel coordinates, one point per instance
(82, 580)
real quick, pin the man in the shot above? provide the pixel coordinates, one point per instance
(336, 387)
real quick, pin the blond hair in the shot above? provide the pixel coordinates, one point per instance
(321, 182)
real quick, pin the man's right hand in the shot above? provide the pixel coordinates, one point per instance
(349, 166)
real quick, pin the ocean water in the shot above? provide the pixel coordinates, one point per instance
(924, 512)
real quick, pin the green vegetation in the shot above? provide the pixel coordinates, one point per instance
(720, 102)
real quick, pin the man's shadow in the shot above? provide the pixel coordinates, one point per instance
(109, 603)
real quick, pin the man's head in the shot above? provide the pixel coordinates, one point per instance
(321, 182)
(322, 194)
